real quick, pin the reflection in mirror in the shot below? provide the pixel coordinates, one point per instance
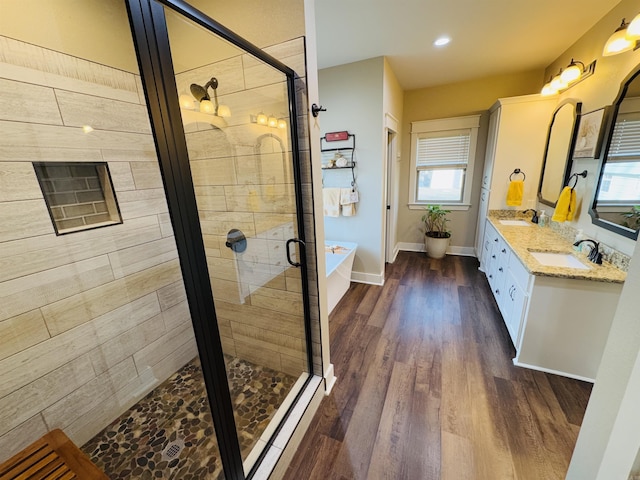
(616, 205)
(557, 159)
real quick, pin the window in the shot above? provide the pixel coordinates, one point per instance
(78, 195)
(620, 184)
(443, 153)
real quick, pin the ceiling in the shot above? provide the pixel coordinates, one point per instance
(488, 37)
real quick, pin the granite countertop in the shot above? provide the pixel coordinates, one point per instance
(522, 239)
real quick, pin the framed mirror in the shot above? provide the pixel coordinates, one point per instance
(616, 203)
(561, 138)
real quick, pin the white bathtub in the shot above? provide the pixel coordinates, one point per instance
(339, 257)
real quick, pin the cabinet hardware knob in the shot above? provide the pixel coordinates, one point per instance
(498, 291)
(504, 250)
(500, 269)
(495, 239)
(490, 276)
(493, 256)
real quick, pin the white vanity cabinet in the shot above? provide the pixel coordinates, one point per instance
(557, 324)
(508, 279)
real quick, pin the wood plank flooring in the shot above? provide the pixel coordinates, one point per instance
(426, 388)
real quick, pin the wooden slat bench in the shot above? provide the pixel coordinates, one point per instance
(52, 457)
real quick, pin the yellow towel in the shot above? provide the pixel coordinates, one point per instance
(331, 201)
(515, 192)
(565, 206)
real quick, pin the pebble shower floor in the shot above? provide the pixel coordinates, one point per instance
(169, 433)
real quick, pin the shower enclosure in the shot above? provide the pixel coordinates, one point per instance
(154, 245)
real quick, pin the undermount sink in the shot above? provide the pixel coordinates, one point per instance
(558, 259)
(515, 223)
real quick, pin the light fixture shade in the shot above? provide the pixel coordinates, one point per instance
(572, 73)
(633, 29)
(186, 101)
(282, 124)
(557, 83)
(262, 119)
(206, 106)
(547, 90)
(618, 42)
(224, 111)
(273, 122)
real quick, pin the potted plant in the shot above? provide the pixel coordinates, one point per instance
(632, 218)
(436, 235)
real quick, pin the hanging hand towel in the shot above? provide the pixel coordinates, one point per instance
(348, 201)
(331, 202)
(515, 193)
(565, 206)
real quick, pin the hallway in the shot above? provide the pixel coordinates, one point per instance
(426, 389)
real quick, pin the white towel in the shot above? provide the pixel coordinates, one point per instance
(331, 202)
(348, 199)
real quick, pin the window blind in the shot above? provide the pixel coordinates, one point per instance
(443, 148)
(625, 140)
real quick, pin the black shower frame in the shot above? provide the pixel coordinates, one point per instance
(151, 42)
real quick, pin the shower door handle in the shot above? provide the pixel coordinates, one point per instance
(289, 242)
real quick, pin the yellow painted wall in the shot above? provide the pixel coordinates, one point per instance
(464, 98)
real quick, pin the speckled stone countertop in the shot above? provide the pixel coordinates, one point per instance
(523, 239)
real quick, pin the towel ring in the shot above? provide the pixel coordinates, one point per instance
(575, 177)
(515, 172)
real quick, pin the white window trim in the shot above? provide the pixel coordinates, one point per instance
(471, 122)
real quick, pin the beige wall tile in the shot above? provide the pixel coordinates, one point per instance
(18, 182)
(90, 395)
(121, 176)
(102, 113)
(40, 289)
(286, 344)
(122, 319)
(228, 72)
(216, 203)
(139, 203)
(140, 257)
(22, 102)
(295, 366)
(22, 404)
(117, 349)
(258, 317)
(21, 436)
(21, 332)
(164, 219)
(215, 171)
(77, 309)
(259, 353)
(176, 316)
(45, 136)
(171, 294)
(146, 174)
(117, 153)
(28, 153)
(278, 300)
(154, 352)
(35, 254)
(231, 291)
(27, 218)
(219, 223)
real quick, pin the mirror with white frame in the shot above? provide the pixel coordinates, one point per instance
(561, 139)
(616, 204)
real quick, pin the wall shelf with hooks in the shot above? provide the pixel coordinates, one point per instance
(338, 152)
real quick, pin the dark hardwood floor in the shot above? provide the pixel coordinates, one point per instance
(426, 388)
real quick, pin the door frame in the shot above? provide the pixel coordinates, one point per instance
(151, 41)
(389, 203)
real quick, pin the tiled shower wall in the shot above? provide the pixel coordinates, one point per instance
(91, 321)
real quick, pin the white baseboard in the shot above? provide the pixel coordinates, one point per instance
(329, 379)
(451, 250)
(370, 278)
(554, 372)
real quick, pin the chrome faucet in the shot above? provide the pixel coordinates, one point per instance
(594, 255)
(534, 219)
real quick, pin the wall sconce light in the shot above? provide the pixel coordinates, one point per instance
(201, 95)
(268, 121)
(573, 74)
(625, 38)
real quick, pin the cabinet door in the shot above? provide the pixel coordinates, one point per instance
(481, 227)
(516, 299)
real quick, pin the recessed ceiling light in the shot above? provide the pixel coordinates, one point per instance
(441, 41)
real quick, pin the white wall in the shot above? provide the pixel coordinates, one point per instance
(353, 97)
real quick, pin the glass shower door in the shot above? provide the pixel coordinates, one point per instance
(236, 116)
